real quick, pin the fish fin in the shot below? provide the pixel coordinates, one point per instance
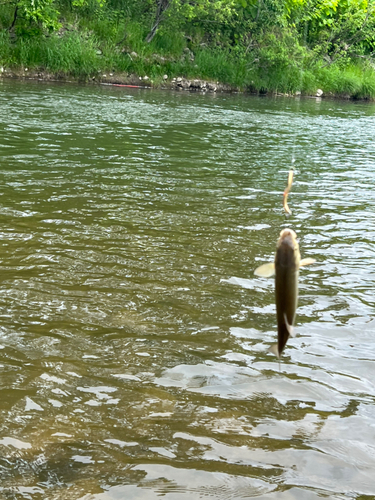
(306, 262)
(266, 270)
(274, 350)
(289, 327)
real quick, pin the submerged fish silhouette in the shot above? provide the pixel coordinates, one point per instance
(286, 270)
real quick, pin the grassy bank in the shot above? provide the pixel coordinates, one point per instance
(88, 47)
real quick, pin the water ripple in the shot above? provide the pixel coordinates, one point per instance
(133, 334)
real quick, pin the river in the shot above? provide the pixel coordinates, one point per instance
(134, 334)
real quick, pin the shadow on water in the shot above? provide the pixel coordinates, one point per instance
(133, 332)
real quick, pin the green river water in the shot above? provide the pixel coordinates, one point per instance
(134, 335)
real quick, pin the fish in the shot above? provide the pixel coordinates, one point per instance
(286, 270)
(286, 192)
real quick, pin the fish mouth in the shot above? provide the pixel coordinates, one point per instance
(288, 237)
(288, 232)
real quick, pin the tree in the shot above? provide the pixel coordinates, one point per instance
(161, 8)
(34, 16)
(335, 27)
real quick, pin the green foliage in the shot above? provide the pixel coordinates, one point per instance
(75, 54)
(220, 65)
(72, 54)
(279, 61)
(33, 17)
(353, 80)
(5, 49)
(166, 42)
(334, 27)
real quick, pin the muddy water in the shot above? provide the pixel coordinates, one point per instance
(133, 332)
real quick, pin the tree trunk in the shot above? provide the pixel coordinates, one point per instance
(162, 6)
(14, 19)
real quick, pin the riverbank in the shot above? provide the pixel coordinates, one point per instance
(177, 83)
(273, 69)
(121, 79)
(263, 48)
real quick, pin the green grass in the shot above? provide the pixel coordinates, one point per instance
(353, 80)
(72, 54)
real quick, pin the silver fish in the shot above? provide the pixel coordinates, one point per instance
(286, 270)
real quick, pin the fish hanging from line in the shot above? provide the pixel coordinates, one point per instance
(287, 191)
(286, 269)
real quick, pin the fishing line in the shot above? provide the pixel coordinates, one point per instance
(295, 133)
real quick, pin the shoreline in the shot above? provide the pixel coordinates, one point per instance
(176, 84)
(123, 80)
